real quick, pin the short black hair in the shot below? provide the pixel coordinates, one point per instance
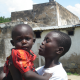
(64, 41)
(20, 25)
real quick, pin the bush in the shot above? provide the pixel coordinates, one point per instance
(72, 74)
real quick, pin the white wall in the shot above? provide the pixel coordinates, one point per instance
(75, 46)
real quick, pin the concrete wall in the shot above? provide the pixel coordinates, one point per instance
(46, 13)
(65, 17)
(5, 37)
(51, 13)
(22, 15)
(71, 60)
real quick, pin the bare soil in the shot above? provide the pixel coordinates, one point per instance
(73, 77)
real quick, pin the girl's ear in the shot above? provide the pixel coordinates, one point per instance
(60, 50)
(34, 40)
(12, 42)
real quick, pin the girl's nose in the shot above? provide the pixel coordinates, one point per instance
(43, 42)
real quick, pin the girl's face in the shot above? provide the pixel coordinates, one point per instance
(49, 46)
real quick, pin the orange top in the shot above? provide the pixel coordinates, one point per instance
(22, 60)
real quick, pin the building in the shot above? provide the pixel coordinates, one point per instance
(50, 13)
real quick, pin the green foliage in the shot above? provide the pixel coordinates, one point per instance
(3, 19)
(69, 73)
(76, 74)
(72, 74)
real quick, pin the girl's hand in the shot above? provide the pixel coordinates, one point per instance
(16, 75)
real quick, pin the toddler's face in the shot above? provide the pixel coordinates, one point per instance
(23, 40)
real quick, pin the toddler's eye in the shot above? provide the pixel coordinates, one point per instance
(27, 38)
(19, 39)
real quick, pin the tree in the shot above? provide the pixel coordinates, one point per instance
(3, 19)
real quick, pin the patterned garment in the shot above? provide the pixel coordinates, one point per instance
(22, 60)
(5, 69)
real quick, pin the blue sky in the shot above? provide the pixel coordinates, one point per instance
(8, 6)
(62, 2)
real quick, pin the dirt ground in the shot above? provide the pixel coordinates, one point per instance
(73, 77)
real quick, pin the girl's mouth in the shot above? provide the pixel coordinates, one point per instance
(40, 49)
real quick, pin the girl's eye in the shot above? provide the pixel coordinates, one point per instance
(47, 40)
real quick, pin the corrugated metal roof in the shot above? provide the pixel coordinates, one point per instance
(55, 27)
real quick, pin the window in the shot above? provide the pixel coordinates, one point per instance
(38, 34)
(71, 33)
